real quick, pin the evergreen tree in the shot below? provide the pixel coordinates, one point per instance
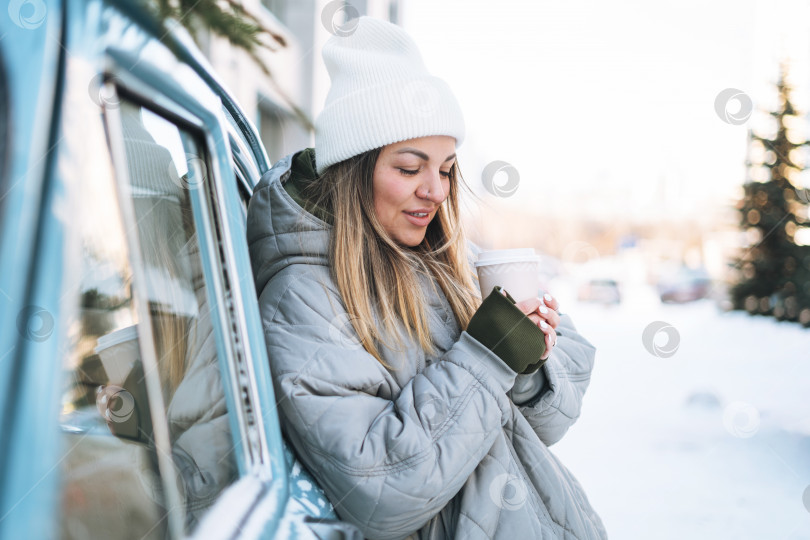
(774, 272)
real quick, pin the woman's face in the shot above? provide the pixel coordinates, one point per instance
(411, 180)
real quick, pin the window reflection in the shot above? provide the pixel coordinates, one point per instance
(111, 485)
(166, 165)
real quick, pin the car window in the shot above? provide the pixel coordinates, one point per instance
(112, 487)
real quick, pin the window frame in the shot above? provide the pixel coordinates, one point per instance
(139, 85)
(243, 156)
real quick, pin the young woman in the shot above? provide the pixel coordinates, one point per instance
(423, 411)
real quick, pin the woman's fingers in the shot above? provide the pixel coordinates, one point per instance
(551, 340)
(530, 305)
(541, 308)
(548, 330)
(551, 302)
(551, 316)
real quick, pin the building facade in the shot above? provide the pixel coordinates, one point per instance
(285, 103)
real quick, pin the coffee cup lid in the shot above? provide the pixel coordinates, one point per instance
(119, 336)
(501, 256)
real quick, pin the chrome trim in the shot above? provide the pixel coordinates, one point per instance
(222, 290)
(245, 156)
(245, 375)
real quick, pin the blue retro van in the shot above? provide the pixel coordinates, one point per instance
(135, 394)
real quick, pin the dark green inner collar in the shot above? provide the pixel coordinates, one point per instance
(302, 175)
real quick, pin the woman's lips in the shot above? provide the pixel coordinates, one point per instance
(418, 221)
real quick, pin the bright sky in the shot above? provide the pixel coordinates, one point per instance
(609, 106)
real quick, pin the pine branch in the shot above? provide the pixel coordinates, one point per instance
(228, 19)
(225, 18)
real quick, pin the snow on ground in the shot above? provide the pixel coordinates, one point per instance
(710, 443)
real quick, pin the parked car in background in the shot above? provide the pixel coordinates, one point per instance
(600, 291)
(684, 285)
(135, 392)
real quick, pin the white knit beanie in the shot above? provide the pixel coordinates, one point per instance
(381, 93)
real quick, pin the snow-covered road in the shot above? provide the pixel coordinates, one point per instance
(710, 443)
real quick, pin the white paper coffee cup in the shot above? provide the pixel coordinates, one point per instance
(516, 270)
(118, 352)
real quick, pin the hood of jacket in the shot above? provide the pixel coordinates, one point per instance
(279, 227)
(433, 448)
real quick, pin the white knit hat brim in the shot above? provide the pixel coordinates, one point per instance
(381, 93)
(385, 114)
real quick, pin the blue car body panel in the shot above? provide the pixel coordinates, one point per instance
(29, 232)
(111, 36)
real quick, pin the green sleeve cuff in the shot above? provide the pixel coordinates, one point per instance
(506, 331)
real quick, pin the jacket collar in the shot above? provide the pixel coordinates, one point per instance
(280, 232)
(302, 174)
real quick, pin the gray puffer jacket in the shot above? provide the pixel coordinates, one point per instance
(435, 447)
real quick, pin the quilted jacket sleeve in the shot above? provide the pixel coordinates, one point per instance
(388, 462)
(551, 399)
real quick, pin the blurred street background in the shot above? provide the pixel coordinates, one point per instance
(711, 442)
(654, 155)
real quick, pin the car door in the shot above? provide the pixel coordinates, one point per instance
(156, 418)
(140, 330)
(30, 56)
(172, 173)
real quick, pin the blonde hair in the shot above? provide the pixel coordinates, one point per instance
(163, 226)
(377, 278)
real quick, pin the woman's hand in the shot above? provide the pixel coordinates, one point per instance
(543, 313)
